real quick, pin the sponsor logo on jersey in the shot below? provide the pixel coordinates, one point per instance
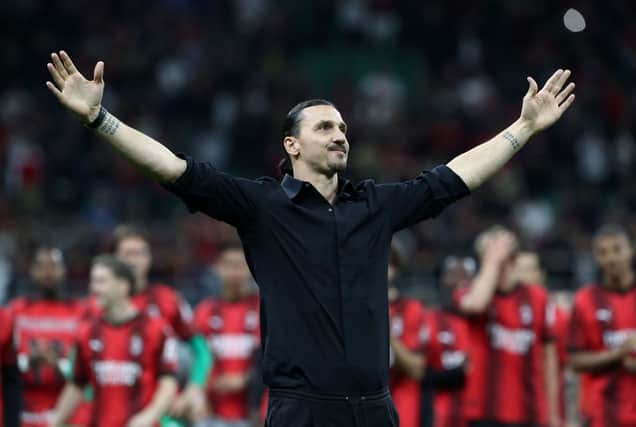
(516, 341)
(453, 359)
(115, 372)
(233, 346)
(46, 324)
(614, 339)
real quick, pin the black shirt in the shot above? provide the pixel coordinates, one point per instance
(321, 269)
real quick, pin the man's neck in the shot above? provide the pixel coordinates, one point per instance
(327, 185)
(141, 284)
(620, 282)
(120, 313)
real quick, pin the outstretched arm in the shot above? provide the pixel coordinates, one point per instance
(84, 97)
(540, 110)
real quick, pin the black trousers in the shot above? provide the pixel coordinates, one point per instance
(291, 408)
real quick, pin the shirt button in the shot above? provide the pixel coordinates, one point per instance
(330, 210)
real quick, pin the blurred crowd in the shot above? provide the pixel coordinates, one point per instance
(417, 82)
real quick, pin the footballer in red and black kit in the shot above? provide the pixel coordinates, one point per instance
(231, 325)
(448, 346)
(408, 342)
(513, 374)
(132, 247)
(127, 356)
(602, 333)
(45, 325)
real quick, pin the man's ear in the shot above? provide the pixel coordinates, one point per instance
(290, 144)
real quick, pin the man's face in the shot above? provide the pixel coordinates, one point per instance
(135, 252)
(613, 255)
(47, 269)
(107, 289)
(528, 269)
(455, 273)
(233, 271)
(321, 142)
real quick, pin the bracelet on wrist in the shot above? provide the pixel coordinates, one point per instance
(99, 119)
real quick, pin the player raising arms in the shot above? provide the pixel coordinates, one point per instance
(602, 333)
(128, 356)
(316, 243)
(512, 378)
(45, 325)
(231, 325)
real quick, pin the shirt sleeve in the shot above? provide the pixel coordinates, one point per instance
(423, 197)
(169, 354)
(219, 195)
(81, 363)
(177, 311)
(579, 328)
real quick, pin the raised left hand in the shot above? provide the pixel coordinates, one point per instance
(541, 108)
(142, 419)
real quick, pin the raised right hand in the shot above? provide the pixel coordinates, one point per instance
(499, 247)
(82, 97)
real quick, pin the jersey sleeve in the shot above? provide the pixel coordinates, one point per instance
(579, 327)
(414, 327)
(201, 317)
(421, 198)
(169, 352)
(7, 352)
(219, 195)
(176, 310)
(81, 360)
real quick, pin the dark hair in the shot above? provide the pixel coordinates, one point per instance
(55, 252)
(127, 231)
(119, 269)
(291, 127)
(611, 230)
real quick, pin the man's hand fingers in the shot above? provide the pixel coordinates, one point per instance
(59, 81)
(562, 80)
(552, 82)
(532, 88)
(563, 107)
(98, 73)
(564, 93)
(54, 90)
(59, 66)
(70, 67)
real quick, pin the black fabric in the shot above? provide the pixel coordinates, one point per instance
(321, 269)
(292, 409)
(11, 395)
(445, 378)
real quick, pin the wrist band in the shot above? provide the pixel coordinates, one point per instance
(99, 119)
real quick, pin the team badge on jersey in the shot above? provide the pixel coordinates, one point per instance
(603, 315)
(136, 345)
(216, 322)
(95, 345)
(525, 311)
(446, 337)
(397, 326)
(251, 320)
(153, 310)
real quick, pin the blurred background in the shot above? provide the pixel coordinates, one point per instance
(417, 81)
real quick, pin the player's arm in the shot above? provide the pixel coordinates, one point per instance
(592, 361)
(84, 97)
(496, 251)
(161, 401)
(540, 110)
(67, 402)
(551, 381)
(412, 363)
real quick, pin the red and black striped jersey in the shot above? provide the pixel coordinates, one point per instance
(601, 320)
(448, 347)
(231, 329)
(506, 371)
(42, 326)
(123, 363)
(407, 324)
